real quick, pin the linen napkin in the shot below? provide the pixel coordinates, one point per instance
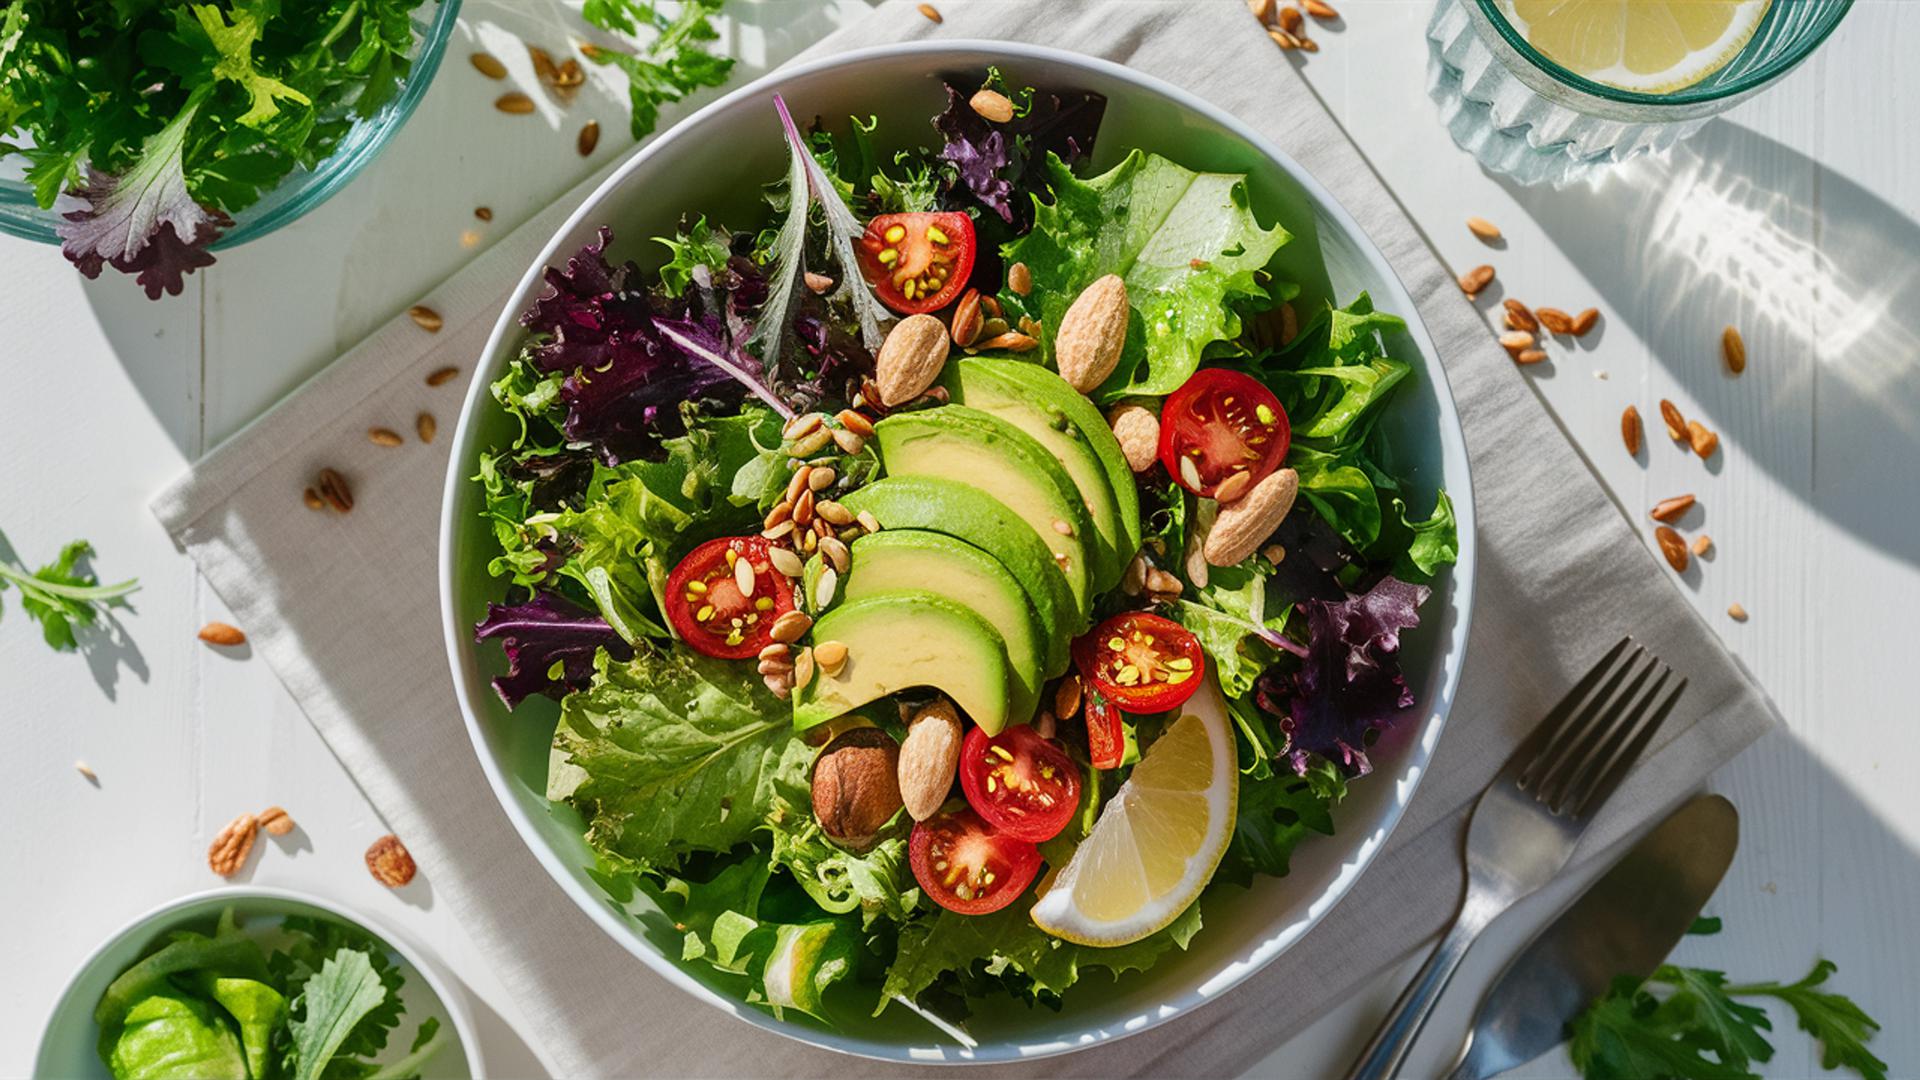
(346, 611)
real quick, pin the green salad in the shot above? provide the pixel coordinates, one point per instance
(322, 1002)
(953, 577)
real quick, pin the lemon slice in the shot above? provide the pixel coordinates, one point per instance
(1648, 46)
(1158, 840)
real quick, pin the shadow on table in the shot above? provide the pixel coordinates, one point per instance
(1732, 227)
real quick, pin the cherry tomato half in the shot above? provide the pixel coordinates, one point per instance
(967, 866)
(918, 262)
(710, 610)
(1141, 662)
(1106, 742)
(1023, 785)
(1219, 423)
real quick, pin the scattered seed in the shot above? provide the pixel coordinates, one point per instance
(1585, 321)
(931, 12)
(1515, 340)
(219, 633)
(1630, 430)
(1190, 473)
(822, 478)
(1062, 527)
(440, 376)
(803, 425)
(1478, 226)
(1529, 356)
(778, 515)
(86, 770)
(1020, 279)
(791, 627)
(1262, 9)
(831, 656)
(1282, 38)
(849, 442)
(1011, 341)
(809, 444)
(588, 139)
(836, 552)
(803, 509)
(313, 500)
(785, 561)
(1307, 44)
(1066, 698)
(543, 65)
(1671, 510)
(855, 422)
(1290, 19)
(380, 436)
(817, 283)
(484, 213)
(743, 577)
(1319, 9)
(832, 512)
(514, 102)
(1232, 487)
(803, 669)
(333, 488)
(1702, 544)
(1676, 424)
(1736, 613)
(426, 318)
(489, 65)
(1554, 319)
(1674, 548)
(1162, 584)
(824, 588)
(776, 531)
(1519, 317)
(1734, 348)
(1274, 554)
(776, 651)
(868, 522)
(1476, 279)
(1704, 442)
(992, 105)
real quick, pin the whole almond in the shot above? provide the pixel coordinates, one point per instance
(1676, 424)
(426, 318)
(1630, 430)
(1476, 279)
(1478, 226)
(910, 359)
(231, 846)
(929, 757)
(1671, 510)
(1092, 332)
(1137, 430)
(992, 105)
(276, 821)
(967, 318)
(1020, 279)
(389, 862)
(1519, 317)
(1703, 441)
(1585, 321)
(219, 633)
(1674, 548)
(1734, 348)
(1244, 525)
(1554, 319)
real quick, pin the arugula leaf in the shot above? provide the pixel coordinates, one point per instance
(1186, 243)
(233, 45)
(674, 65)
(59, 596)
(1626, 1036)
(674, 752)
(1842, 1027)
(1275, 814)
(330, 1010)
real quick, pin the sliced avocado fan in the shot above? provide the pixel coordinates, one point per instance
(899, 641)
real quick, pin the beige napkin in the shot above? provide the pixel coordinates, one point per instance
(347, 612)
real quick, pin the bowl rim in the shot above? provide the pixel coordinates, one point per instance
(450, 994)
(1369, 843)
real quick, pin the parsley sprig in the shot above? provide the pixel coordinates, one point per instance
(674, 65)
(60, 595)
(1691, 1024)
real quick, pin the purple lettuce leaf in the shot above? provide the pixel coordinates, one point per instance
(550, 643)
(143, 221)
(1349, 684)
(993, 161)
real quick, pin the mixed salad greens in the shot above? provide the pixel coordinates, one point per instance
(323, 1002)
(971, 522)
(161, 118)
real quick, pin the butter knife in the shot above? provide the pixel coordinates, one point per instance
(1625, 924)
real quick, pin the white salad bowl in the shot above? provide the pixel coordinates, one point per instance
(68, 1045)
(715, 163)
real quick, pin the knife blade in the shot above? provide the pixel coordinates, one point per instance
(1625, 924)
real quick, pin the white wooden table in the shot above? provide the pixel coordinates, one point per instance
(1794, 218)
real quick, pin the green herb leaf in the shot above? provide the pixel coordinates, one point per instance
(674, 65)
(60, 596)
(331, 1006)
(1842, 1027)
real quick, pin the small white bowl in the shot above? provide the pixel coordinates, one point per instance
(68, 1044)
(714, 163)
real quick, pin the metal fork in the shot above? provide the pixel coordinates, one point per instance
(1527, 822)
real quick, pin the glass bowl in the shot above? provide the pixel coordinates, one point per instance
(302, 189)
(1525, 116)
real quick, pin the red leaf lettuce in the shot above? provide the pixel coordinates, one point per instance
(550, 643)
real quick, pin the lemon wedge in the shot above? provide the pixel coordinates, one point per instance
(1158, 839)
(1648, 46)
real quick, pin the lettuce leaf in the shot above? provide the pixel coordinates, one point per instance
(1276, 812)
(1186, 243)
(328, 1019)
(673, 752)
(877, 883)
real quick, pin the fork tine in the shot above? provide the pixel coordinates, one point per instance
(1611, 775)
(1550, 759)
(1573, 764)
(1530, 752)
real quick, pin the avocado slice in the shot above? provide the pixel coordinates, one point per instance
(911, 560)
(1060, 418)
(964, 512)
(957, 443)
(897, 641)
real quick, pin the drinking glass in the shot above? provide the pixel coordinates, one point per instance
(1524, 116)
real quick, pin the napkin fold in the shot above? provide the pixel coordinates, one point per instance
(345, 609)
